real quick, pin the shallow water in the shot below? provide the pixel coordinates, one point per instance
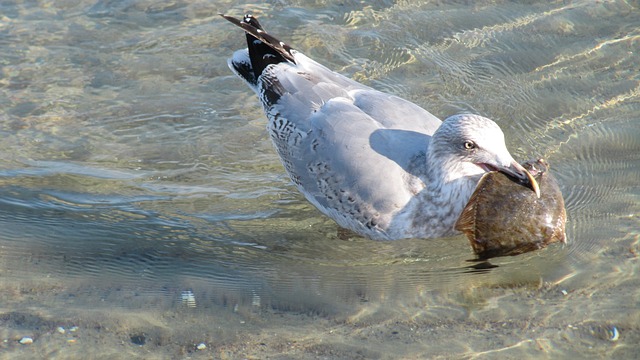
(140, 197)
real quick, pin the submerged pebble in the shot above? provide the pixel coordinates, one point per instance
(188, 298)
(26, 340)
(201, 346)
(138, 339)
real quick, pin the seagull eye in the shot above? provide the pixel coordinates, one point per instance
(469, 145)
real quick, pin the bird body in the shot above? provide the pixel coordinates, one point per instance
(375, 163)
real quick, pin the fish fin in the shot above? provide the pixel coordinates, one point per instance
(467, 220)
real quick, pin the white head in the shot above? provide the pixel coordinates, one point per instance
(467, 146)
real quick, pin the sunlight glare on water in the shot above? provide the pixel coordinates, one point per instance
(140, 196)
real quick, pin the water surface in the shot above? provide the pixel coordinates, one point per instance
(140, 197)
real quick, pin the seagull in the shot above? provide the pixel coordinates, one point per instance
(378, 165)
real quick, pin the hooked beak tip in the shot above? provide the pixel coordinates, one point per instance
(533, 183)
(523, 176)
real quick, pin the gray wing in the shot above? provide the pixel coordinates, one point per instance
(351, 150)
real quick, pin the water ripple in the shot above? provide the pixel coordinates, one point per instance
(136, 177)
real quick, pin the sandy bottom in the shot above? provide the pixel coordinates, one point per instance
(566, 319)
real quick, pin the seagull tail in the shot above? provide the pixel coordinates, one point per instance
(263, 48)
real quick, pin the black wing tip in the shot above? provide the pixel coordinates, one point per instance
(249, 23)
(264, 50)
(278, 50)
(246, 19)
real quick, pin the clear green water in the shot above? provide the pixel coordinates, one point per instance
(140, 195)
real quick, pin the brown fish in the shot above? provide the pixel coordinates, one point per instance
(503, 217)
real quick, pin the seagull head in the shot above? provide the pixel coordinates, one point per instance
(467, 146)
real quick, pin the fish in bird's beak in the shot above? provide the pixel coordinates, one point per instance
(521, 175)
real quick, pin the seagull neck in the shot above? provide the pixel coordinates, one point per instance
(448, 189)
(444, 189)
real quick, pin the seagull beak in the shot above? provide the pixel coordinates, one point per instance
(521, 174)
